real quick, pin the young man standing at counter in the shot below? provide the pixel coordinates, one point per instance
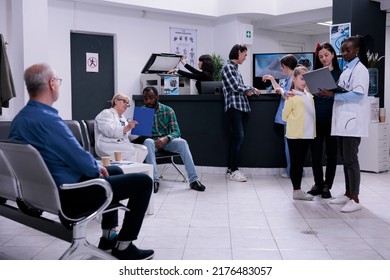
(236, 108)
(166, 135)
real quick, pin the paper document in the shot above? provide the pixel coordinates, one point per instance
(144, 116)
(321, 79)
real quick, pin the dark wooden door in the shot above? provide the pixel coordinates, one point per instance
(92, 66)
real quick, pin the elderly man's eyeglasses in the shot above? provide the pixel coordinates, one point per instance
(125, 101)
(59, 81)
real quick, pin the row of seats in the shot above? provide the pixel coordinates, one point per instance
(20, 164)
(85, 134)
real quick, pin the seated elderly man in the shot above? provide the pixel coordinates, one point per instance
(113, 132)
(166, 135)
(39, 124)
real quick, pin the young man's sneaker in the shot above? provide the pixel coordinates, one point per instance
(237, 176)
(132, 253)
(315, 190)
(326, 192)
(342, 199)
(351, 206)
(156, 186)
(198, 186)
(108, 244)
(228, 173)
(301, 195)
(284, 175)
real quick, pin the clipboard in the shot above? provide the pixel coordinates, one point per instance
(321, 79)
(144, 116)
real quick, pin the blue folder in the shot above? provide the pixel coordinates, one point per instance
(144, 116)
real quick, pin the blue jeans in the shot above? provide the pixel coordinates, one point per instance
(237, 121)
(177, 145)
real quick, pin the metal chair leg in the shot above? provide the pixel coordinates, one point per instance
(80, 249)
(178, 170)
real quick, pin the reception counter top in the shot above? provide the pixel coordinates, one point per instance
(202, 123)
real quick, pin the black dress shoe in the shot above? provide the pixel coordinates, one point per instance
(107, 244)
(198, 186)
(315, 190)
(132, 253)
(156, 186)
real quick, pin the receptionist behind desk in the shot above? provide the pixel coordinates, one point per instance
(206, 72)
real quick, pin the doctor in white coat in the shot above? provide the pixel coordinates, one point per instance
(350, 118)
(113, 132)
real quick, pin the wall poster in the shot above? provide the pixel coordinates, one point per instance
(183, 41)
(338, 33)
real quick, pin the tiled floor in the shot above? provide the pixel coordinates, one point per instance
(253, 220)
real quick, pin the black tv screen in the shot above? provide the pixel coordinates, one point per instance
(269, 64)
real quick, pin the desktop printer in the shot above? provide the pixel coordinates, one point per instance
(155, 74)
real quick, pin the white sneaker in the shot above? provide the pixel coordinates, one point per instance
(228, 173)
(284, 175)
(301, 195)
(351, 206)
(237, 176)
(341, 199)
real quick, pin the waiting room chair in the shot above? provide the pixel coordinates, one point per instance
(39, 191)
(75, 127)
(89, 132)
(163, 156)
(8, 185)
(4, 129)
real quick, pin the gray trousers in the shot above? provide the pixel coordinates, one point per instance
(349, 149)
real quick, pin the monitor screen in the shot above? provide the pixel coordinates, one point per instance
(269, 64)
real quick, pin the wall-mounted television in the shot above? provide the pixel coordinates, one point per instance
(269, 64)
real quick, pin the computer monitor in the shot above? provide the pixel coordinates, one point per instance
(269, 64)
(211, 87)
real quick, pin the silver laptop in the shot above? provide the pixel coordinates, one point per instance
(321, 79)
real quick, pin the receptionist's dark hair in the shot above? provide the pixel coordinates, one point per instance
(234, 51)
(147, 89)
(208, 64)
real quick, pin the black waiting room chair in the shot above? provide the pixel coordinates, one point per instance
(88, 127)
(75, 127)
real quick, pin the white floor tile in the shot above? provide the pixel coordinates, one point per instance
(255, 220)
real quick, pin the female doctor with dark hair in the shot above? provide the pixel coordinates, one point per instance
(350, 118)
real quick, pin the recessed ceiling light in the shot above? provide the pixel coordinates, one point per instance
(326, 23)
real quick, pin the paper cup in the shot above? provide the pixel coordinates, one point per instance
(118, 156)
(106, 161)
(382, 114)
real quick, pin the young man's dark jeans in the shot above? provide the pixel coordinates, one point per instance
(237, 121)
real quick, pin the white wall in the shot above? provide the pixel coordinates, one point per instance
(137, 35)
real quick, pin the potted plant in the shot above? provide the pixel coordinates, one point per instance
(218, 64)
(373, 59)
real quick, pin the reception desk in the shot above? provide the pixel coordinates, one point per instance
(202, 123)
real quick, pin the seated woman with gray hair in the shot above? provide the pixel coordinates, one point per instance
(113, 132)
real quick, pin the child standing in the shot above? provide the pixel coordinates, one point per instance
(299, 114)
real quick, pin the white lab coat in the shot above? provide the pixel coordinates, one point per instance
(351, 117)
(109, 137)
